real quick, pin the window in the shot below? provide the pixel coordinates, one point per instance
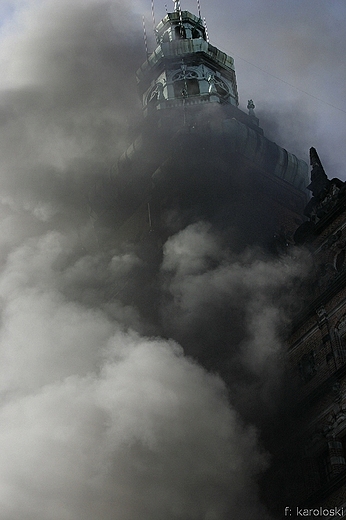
(218, 86)
(343, 443)
(307, 366)
(324, 467)
(196, 33)
(340, 338)
(339, 260)
(221, 88)
(185, 84)
(189, 87)
(155, 94)
(180, 32)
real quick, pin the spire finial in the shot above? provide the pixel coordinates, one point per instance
(319, 180)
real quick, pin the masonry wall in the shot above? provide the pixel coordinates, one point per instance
(317, 355)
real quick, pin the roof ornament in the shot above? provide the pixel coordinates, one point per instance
(251, 107)
(319, 180)
(145, 36)
(153, 14)
(199, 9)
(326, 193)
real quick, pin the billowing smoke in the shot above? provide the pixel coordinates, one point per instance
(103, 415)
(231, 311)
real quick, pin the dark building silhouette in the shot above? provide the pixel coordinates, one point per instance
(317, 349)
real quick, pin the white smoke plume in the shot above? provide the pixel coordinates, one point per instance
(102, 423)
(212, 292)
(99, 420)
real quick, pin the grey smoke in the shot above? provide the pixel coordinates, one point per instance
(232, 310)
(104, 416)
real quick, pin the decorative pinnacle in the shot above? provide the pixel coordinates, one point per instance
(319, 179)
(315, 160)
(251, 107)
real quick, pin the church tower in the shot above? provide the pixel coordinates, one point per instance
(196, 155)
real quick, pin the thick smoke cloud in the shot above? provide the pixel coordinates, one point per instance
(101, 418)
(232, 311)
(67, 94)
(101, 422)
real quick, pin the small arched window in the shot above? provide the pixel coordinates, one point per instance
(180, 33)
(155, 95)
(339, 261)
(340, 337)
(221, 87)
(185, 84)
(307, 366)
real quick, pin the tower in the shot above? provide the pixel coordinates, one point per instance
(185, 69)
(196, 155)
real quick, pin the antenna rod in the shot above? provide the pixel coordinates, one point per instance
(177, 6)
(153, 13)
(199, 8)
(145, 37)
(177, 9)
(206, 29)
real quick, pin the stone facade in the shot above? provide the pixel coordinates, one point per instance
(317, 351)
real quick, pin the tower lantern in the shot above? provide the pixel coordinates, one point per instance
(185, 69)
